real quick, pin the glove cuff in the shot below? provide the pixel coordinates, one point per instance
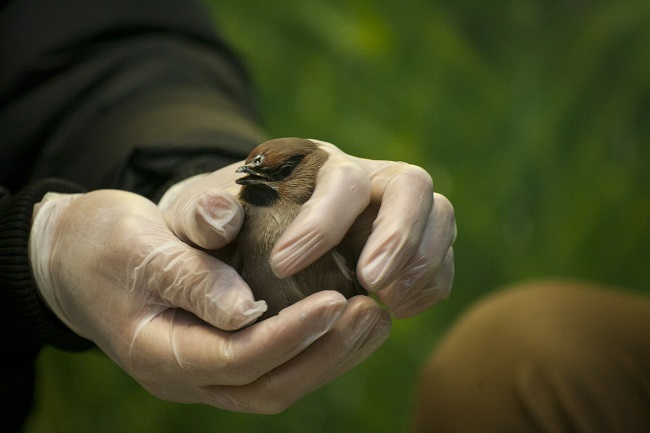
(27, 322)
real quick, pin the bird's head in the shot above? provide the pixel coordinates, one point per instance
(283, 169)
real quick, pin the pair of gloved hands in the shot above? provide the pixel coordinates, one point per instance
(126, 274)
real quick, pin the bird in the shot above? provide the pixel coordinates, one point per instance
(280, 176)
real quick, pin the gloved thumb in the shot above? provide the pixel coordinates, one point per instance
(199, 215)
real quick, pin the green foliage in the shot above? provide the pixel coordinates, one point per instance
(531, 116)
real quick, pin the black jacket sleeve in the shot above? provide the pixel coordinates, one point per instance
(26, 324)
(118, 93)
(128, 94)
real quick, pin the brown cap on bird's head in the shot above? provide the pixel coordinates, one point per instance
(281, 169)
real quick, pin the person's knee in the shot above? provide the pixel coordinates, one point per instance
(533, 356)
(504, 345)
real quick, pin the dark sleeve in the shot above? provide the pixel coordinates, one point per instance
(118, 94)
(129, 94)
(26, 324)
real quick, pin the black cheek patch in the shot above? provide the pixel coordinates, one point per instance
(259, 195)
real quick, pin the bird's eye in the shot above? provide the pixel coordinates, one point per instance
(286, 169)
(289, 165)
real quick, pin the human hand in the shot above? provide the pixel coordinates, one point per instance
(402, 231)
(108, 266)
(387, 211)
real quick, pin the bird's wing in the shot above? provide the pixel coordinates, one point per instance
(342, 264)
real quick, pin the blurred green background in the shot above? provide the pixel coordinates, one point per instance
(533, 117)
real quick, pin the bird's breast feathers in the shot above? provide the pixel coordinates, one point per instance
(265, 225)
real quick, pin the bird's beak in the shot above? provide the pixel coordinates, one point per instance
(253, 177)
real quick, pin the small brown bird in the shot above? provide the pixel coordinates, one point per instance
(280, 178)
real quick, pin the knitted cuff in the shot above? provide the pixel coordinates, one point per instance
(26, 320)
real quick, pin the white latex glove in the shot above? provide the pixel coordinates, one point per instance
(202, 210)
(108, 266)
(387, 211)
(403, 231)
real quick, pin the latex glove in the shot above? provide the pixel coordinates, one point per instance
(203, 210)
(402, 231)
(108, 266)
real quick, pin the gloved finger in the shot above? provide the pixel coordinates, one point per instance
(211, 219)
(195, 353)
(342, 192)
(406, 195)
(201, 211)
(434, 256)
(360, 331)
(191, 279)
(416, 289)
